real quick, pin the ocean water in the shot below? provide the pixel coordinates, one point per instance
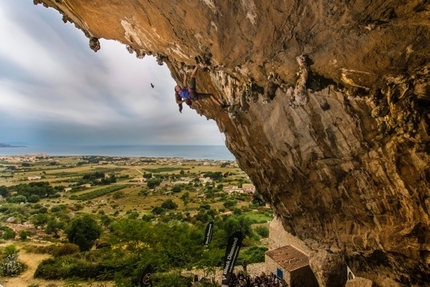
(210, 152)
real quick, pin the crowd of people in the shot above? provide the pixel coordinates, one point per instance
(263, 280)
(245, 280)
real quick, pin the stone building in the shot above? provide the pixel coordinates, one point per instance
(291, 265)
(288, 257)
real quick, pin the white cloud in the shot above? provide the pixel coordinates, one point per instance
(53, 87)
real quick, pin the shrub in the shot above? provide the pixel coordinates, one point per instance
(10, 249)
(205, 206)
(158, 210)
(17, 199)
(169, 204)
(65, 249)
(23, 234)
(6, 233)
(55, 209)
(254, 254)
(119, 194)
(176, 188)
(33, 198)
(171, 280)
(229, 204)
(263, 231)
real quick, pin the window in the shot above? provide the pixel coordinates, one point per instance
(279, 273)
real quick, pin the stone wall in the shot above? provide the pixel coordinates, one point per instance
(278, 237)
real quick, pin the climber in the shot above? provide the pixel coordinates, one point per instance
(188, 95)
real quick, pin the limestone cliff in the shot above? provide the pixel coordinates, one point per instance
(328, 112)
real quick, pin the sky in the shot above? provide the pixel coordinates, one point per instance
(55, 90)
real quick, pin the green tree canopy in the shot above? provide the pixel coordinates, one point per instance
(33, 198)
(153, 182)
(83, 231)
(238, 223)
(169, 204)
(176, 188)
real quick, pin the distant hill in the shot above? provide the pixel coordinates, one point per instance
(9, 145)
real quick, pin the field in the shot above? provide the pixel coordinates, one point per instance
(66, 171)
(111, 189)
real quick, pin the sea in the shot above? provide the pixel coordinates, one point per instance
(200, 152)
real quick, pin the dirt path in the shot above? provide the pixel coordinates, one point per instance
(25, 279)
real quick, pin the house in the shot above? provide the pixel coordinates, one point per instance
(34, 177)
(232, 189)
(290, 265)
(248, 188)
(288, 257)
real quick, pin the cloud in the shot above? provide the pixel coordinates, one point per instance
(55, 89)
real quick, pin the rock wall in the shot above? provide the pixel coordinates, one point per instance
(328, 112)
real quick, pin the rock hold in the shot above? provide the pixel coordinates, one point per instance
(94, 44)
(300, 95)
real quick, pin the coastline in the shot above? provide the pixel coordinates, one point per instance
(199, 152)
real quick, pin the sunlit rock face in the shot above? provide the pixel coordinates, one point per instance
(328, 113)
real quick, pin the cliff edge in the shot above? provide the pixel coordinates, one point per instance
(327, 111)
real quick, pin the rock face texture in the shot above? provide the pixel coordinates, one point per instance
(328, 113)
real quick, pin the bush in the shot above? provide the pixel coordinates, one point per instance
(205, 206)
(9, 250)
(229, 204)
(254, 254)
(65, 249)
(263, 231)
(170, 280)
(169, 204)
(119, 194)
(158, 210)
(176, 188)
(17, 199)
(33, 198)
(23, 234)
(6, 233)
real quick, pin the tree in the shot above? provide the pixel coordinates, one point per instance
(153, 182)
(54, 226)
(4, 191)
(229, 204)
(158, 210)
(185, 197)
(169, 204)
(177, 188)
(39, 220)
(33, 198)
(238, 223)
(17, 199)
(83, 231)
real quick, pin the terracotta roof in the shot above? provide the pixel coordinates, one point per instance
(288, 257)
